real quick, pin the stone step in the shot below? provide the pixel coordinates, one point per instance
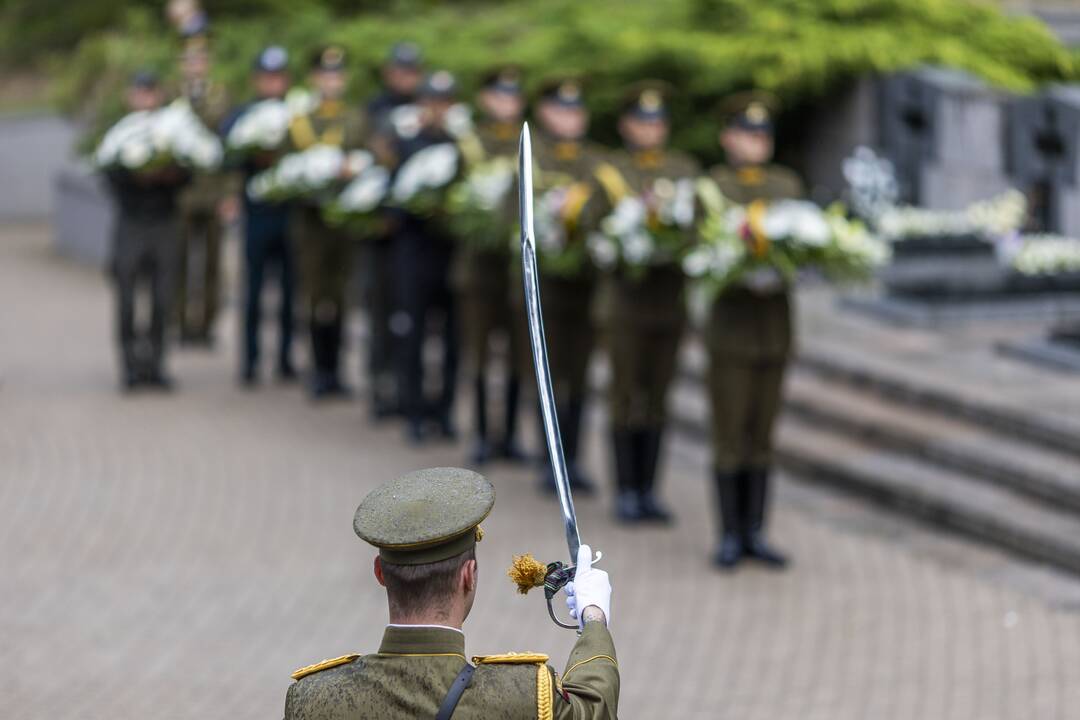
(1030, 470)
(1007, 421)
(930, 493)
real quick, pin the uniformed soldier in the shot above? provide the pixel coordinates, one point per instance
(202, 205)
(749, 338)
(266, 231)
(426, 526)
(325, 252)
(401, 76)
(563, 157)
(145, 246)
(647, 311)
(482, 267)
(422, 256)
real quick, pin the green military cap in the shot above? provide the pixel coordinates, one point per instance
(752, 110)
(329, 59)
(425, 516)
(566, 91)
(504, 79)
(647, 100)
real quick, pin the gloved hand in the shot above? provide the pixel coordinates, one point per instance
(590, 587)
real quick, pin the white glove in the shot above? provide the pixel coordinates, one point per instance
(590, 587)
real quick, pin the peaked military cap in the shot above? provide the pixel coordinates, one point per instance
(506, 79)
(329, 59)
(405, 54)
(425, 516)
(753, 110)
(647, 100)
(145, 79)
(441, 85)
(272, 59)
(563, 91)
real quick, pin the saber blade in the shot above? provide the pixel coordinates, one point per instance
(539, 344)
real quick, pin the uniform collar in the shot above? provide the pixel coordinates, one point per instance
(330, 108)
(649, 159)
(504, 130)
(750, 174)
(567, 149)
(422, 640)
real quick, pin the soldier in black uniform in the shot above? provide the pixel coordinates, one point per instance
(145, 249)
(422, 254)
(266, 226)
(482, 266)
(401, 75)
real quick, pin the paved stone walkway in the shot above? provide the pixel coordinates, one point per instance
(178, 557)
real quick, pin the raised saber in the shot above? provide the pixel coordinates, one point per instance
(539, 343)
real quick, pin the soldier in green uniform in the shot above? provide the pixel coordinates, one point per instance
(562, 157)
(647, 311)
(482, 265)
(202, 205)
(749, 338)
(325, 252)
(426, 526)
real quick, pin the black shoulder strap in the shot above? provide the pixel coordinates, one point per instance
(449, 703)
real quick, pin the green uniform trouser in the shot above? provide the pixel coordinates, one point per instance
(749, 339)
(198, 282)
(484, 292)
(325, 261)
(568, 325)
(647, 322)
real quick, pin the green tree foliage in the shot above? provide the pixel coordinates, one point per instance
(800, 49)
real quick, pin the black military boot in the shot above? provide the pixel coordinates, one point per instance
(648, 451)
(730, 548)
(756, 487)
(481, 451)
(579, 481)
(509, 448)
(627, 500)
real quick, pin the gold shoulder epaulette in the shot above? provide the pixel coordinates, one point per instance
(324, 665)
(512, 658)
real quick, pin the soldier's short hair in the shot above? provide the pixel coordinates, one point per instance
(416, 589)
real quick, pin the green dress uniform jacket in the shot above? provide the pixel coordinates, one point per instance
(415, 666)
(749, 339)
(568, 299)
(199, 287)
(481, 274)
(325, 252)
(647, 314)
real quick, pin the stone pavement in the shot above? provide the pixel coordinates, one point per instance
(178, 557)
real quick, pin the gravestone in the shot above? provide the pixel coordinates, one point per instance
(1043, 154)
(944, 130)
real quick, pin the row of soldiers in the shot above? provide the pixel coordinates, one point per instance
(417, 276)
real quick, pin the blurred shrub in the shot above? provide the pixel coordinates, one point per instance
(800, 49)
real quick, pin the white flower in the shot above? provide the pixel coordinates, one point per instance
(698, 261)
(604, 251)
(638, 247)
(136, 154)
(796, 220)
(1047, 254)
(364, 193)
(431, 168)
(458, 121)
(627, 217)
(300, 101)
(264, 125)
(322, 165)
